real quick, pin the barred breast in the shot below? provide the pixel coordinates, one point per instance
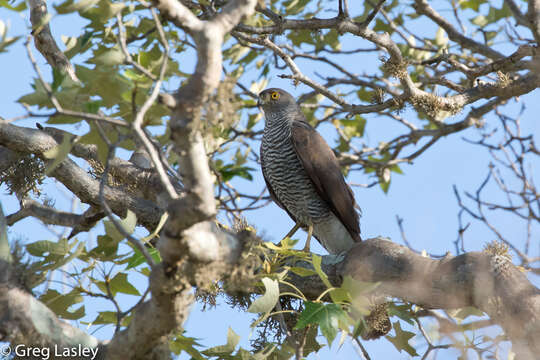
(293, 188)
(286, 175)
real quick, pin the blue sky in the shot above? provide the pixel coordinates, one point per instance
(423, 196)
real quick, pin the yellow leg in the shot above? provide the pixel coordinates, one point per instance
(293, 230)
(308, 240)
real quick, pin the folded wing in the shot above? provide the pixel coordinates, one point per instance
(323, 169)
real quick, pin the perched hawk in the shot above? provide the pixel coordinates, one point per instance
(303, 175)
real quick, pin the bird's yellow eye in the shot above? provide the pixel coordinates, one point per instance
(274, 95)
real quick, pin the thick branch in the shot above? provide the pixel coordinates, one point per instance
(44, 40)
(490, 283)
(180, 15)
(76, 179)
(533, 14)
(186, 228)
(26, 320)
(198, 204)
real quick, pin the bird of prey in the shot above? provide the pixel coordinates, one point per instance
(303, 175)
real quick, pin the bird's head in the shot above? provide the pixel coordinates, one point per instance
(274, 100)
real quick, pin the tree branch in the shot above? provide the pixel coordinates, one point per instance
(518, 15)
(533, 13)
(188, 227)
(490, 283)
(26, 320)
(44, 41)
(423, 7)
(46, 214)
(76, 179)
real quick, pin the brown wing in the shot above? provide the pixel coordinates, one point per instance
(323, 169)
(271, 191)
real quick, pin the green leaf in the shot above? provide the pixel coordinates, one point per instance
(493, 16)
(381, 26)
(108, 57)
(128, 225)
(45, 248)
(285, 247)
(266, 303)
(62, 119)
(129, 222)
(249, 57)
(59, 153)
(311, 344)
(384, 179)
(120, 284)
(106, 248)
(138, 258)
(93, 137)
(156, 231)
(327, 316)
(357, 291)
(385, 186)
(298, 37)
(105, 9)
(182, 343)
(465, 312)
(354, 127)
(105, 82)
(20, 7)
(54, 253)
(364, 95)
(404, 312)
(112, 231)
(235, 53)
(401, 339)
(471, 4)
(231, 170)
(316, 260)
(105, 317)
(301, 271)
(70, 6)
(293, 7)
(5, 41)
(440, 37)
(81, 45)
(53, 256)
(60, 303)
(490, 35)
(227, 349)
(480, 21)
(58, 79)
(332, 38)
(93, 106)
(39, 97)
(396, 169)
(150, 59)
